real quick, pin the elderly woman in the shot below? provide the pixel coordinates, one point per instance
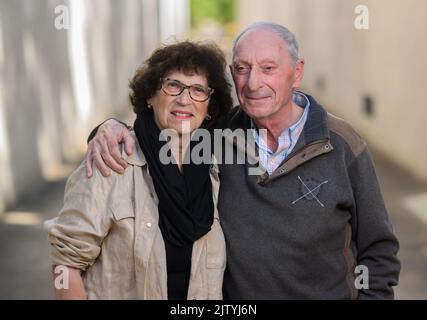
(153, 232)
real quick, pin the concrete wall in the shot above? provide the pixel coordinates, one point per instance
(344, 65)
(56, 84)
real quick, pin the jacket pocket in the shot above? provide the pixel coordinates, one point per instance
(120, 240)
(122, 210)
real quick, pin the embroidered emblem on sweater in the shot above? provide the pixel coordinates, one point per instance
(310, 189)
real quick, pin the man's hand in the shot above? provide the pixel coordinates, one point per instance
(104, 150)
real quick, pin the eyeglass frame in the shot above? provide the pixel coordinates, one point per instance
(184, 86)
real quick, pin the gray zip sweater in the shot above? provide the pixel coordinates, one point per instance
(300, 233)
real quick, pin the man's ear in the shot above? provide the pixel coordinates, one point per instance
(299, 72)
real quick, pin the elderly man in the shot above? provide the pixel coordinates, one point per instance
(314, 225)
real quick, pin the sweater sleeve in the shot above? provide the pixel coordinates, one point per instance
(373, 234)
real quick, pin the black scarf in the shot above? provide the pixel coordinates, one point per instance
(185, 199)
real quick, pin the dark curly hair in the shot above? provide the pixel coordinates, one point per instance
(188, 57)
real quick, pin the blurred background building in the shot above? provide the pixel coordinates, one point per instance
(65, 66)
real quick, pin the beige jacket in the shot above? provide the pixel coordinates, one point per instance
(109, 228)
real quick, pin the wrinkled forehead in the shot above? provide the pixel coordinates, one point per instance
(260, 44)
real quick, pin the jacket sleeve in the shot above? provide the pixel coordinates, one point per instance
(76, 234)
(373, 234)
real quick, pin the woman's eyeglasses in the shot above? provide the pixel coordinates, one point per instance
(197, 92)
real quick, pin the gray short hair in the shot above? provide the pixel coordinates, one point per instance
(283, 32)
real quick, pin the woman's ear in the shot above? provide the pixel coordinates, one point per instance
(149, 103)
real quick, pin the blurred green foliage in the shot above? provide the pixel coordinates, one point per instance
(221, 11)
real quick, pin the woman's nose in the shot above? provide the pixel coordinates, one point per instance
(184, 97)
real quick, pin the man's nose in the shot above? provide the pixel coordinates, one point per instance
(254, 80)
(184, 98)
